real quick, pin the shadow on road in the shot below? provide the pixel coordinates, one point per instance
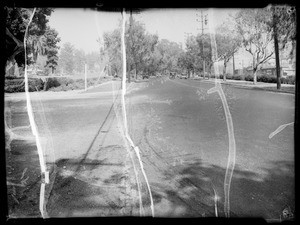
(250, 196)
(74, 195)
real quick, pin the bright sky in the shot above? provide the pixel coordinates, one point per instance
(83, 27)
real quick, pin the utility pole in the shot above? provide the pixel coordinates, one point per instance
(130, 33)
(85, 77)
(276, 48)
(203, 21)
(233, 64)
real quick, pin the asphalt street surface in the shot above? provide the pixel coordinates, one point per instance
(181, 132)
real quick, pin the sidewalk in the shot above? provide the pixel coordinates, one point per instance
(285, 88)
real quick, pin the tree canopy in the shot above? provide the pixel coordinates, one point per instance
(252, 25)
(17, 20)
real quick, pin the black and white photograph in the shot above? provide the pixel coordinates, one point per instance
(150, 112)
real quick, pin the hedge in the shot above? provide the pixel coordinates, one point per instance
(18, 85)
(288, 80)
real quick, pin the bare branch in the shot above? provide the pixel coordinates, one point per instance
(18, 42)
(266, 58)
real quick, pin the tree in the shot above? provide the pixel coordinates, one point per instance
(198, 50)
(66, 58)
(112, 47)
(256, 36)
(283, 24)
(17, 20)
(93, 60)
(150, 43)
(79, 60)
(204, 46)
(228, 42)
(139, 47)
(166, 55)
(51, 48)
(139, 44)
(193, 54)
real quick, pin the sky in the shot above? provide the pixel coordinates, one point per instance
(83, 27)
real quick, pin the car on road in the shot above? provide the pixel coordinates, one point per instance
(183, 76)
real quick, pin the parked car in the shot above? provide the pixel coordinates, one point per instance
(183, 76)
(145, 76)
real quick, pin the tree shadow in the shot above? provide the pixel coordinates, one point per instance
(74, 195)
(251, 195)
(23, 179)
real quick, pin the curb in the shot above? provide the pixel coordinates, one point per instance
(251, 86)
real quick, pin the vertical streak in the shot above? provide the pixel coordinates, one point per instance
(33, 126)
(232, 146)
(129, 152)
(124, 109)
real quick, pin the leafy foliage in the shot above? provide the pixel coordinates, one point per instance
(18, 85)
(228, 42)
(66, 58)
(252, 25)
(51, 48)
(17, 20)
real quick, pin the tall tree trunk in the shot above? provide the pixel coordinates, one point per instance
(45, 84)
(203, 69)
(276, 50)
(224, 70)
(254, 75)
(129, 75)
(136, 72)
(130, 32)
(233, 64)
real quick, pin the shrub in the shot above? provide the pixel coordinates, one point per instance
(229, 77)
(13, 85)
(237, 77)
(288, 80)
(266, 79)
(35, 84)
(248, 78)
(52, 82)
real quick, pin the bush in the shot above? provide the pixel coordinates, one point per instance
(229, 77)
(248, 78)
(266, 79)
(237, 77)
(66, 84)
(288, 80)
(17, 84)
(52, 82)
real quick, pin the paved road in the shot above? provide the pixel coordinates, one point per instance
(80, 136)
(182, 133)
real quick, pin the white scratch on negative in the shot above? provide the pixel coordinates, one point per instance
(136, 149)
(280, 128)
(232, 146)
(34, 128)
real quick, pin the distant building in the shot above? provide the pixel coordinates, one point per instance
(270, 70)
